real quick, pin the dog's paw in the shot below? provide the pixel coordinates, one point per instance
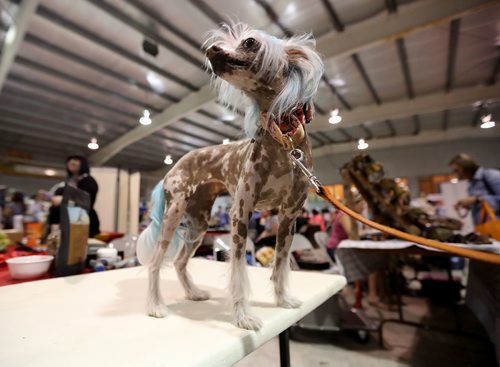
(248, 322)
(289, 302)
(157, 310)
(198, 295)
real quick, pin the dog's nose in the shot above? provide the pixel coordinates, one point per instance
(212, 51)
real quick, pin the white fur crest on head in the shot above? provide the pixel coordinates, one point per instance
(295, 56)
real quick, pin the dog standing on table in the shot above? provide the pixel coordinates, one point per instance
(276, 79)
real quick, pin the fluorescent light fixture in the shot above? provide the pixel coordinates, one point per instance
(145, 119)
(228, 118)
(168, 160)
(226, 141)
(93, 144)
(362, 144)
(50, 172)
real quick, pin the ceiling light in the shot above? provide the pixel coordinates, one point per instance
(362, 144)
(335, 117)
(226, 141)
(50, 172)
(487, 125)
(454, 180)
(337, 82)
(228, 118)
(145, 119)
(168, 160)
(486, 122)
(93, 144)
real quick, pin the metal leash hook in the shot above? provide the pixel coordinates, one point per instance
(297, 157)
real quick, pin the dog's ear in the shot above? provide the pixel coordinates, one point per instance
(295, 54)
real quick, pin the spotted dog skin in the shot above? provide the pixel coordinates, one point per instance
(256, 172)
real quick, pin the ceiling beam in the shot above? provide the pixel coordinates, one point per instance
(452, 53)
(391, 128)
(427, 137)
(168, 116)
(432, 102)
(416, 124)
(15, 36)
(386, 27)
(405, 67)
(445, 117)
(366, 78)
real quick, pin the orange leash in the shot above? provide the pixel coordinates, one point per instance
(472, 254)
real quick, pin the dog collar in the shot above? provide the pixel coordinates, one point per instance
(289, 130)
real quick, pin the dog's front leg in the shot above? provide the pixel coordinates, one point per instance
(286, 228)
(241, 211)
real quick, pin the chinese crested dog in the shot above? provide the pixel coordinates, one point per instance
(275, 80)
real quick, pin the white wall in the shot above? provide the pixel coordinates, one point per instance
(414, 161)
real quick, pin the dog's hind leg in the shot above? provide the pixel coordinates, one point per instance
(171, 219)
(194, 238)
(281, 269)
(198, 215)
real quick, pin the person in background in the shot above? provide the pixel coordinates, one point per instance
(38, 207)
(327, 218)
(268, 236)
(342, 227)
(317, 219)
(484, 184)
(16, 206)
(78, 172)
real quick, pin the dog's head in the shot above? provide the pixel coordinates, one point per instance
(276, 74)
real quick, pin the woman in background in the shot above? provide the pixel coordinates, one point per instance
(78, 171)
(355, 266)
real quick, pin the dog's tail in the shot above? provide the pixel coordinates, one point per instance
(148, 239)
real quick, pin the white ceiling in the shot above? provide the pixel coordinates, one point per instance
(81, 72)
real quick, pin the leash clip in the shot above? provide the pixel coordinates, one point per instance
(297, 157)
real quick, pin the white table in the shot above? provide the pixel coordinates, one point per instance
(99, 319)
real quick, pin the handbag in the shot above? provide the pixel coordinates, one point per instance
(489, 225)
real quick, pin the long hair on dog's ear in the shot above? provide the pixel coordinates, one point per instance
(304, 68)
(303, 75)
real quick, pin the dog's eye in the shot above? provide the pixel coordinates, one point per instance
(249, 43)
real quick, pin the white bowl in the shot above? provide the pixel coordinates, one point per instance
(27, 267)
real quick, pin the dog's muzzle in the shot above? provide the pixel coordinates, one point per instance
(223, 63)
